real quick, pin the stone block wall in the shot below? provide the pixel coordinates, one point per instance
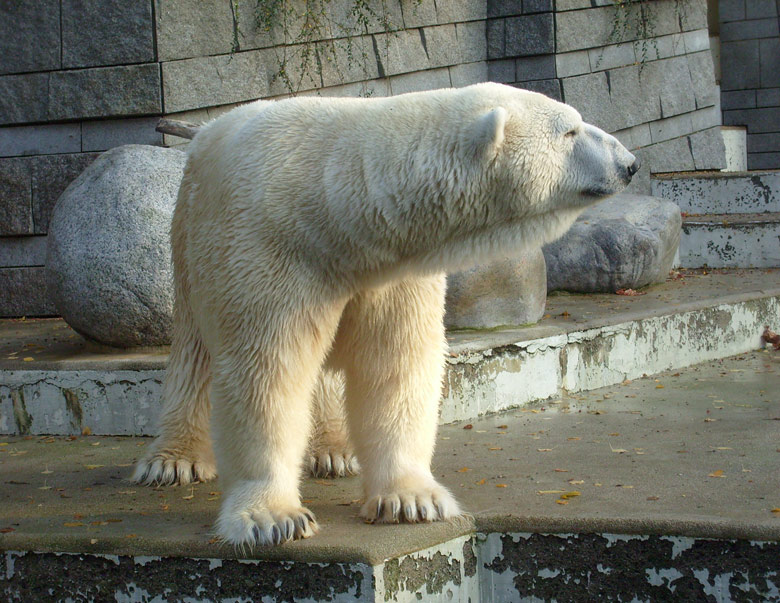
(78, 77)
(750, 80)
(657, 95)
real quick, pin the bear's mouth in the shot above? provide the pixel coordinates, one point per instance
(597, 193)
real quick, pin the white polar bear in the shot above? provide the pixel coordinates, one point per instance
(311, 235)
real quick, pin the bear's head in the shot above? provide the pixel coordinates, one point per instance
(547, 158)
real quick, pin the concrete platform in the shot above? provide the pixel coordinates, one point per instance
(677, 479)
(52, 381)
(731, 240)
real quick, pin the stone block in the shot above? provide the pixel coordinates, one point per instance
(769, 51)
(509, 292)
(763, 161)
(40, 140)
(696, 41)
(738, 99)
(635, 136)
(749, 30)
(495, 30)
(472, 43)
(610, 57)
(504, 8)
(530, 35)
(768, 97)
(731, 10)
(457, 11)
(661, 47)
(670, 156)
(692, 15)
(564, 5)
(19, 252)
(627, 241)
(702, 72)
(23, 293)
(104, 92)
(708, 149)
(470, 73)
(419, 81)
(347, 60)
(502, 71)
(670, 127)
(551, 88)
(633, 100)
(537, 6)
(589, 94)
(419, 13)
(107, 134)
(29, 36)
(441, 45)
(704, 119)
(758, 121)
(401, 52)
(382, 16)
(757, 9)
(540, 67)
(217, 80)
(572, 63)
(192, 29)
(108, 258)
(740, 65)
(106, 32)
(679, 98)
(763, 143)
(51, 175)
(15, 196)
(23, 98)
(579, 29)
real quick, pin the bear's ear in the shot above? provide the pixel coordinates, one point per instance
(486, 134)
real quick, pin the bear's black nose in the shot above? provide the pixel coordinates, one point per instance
(634, 167)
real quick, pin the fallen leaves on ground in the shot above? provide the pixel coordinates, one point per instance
(629, 292)
(770, 336)
(463, 470)
(718, 473)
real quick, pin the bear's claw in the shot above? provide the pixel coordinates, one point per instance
(333, 464)
(265, 528)
(411, 507)
(161, 469)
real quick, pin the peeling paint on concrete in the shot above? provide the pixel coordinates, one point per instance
(626, 567)
(80, 577)
(730, 244)
(22, 418)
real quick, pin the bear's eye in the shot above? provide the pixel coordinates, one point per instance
(571, 133)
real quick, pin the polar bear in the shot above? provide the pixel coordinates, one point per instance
(311, 236)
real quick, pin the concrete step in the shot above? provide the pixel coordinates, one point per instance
(52, 381)
(659, 488)
(731, 240)
(720, 192)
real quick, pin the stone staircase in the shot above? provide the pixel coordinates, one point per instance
(602, 454)
(730, 219)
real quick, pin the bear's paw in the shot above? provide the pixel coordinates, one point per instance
(426, 504)
(333, 463)
(167, 469)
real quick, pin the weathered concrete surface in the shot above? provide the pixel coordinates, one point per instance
(678, 471)
(583, 342)
(731, 240)
(721, 192)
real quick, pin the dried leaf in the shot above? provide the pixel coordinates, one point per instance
(28, 359)
(550, 491)
(576, 482)
(653, 498)
(86, 431)
(659, 386)
(90, 467)
(562, 502)
(131, 536)
(770, 336)
(500, 485)
(501, 427)
(481, 482)
(629, 292)
(572, 494)
(718, 473)
(6, 530)
(776, 511)
(573, 439)
(72, 524)
(463, 470)
(469, 426)
(561, 470)
(544, 450)
(495, 448)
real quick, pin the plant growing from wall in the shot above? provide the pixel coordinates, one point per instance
(315, 36)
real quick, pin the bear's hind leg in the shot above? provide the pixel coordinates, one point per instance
(330, 452)
(263, 378)
(391, 343)
(182, 452)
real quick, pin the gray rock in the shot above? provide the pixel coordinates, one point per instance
(509, 292)
(627, 241)
(108, 264)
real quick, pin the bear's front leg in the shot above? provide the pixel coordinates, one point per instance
(262, 379)
(391, 343)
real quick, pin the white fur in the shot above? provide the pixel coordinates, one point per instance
(309, 241)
